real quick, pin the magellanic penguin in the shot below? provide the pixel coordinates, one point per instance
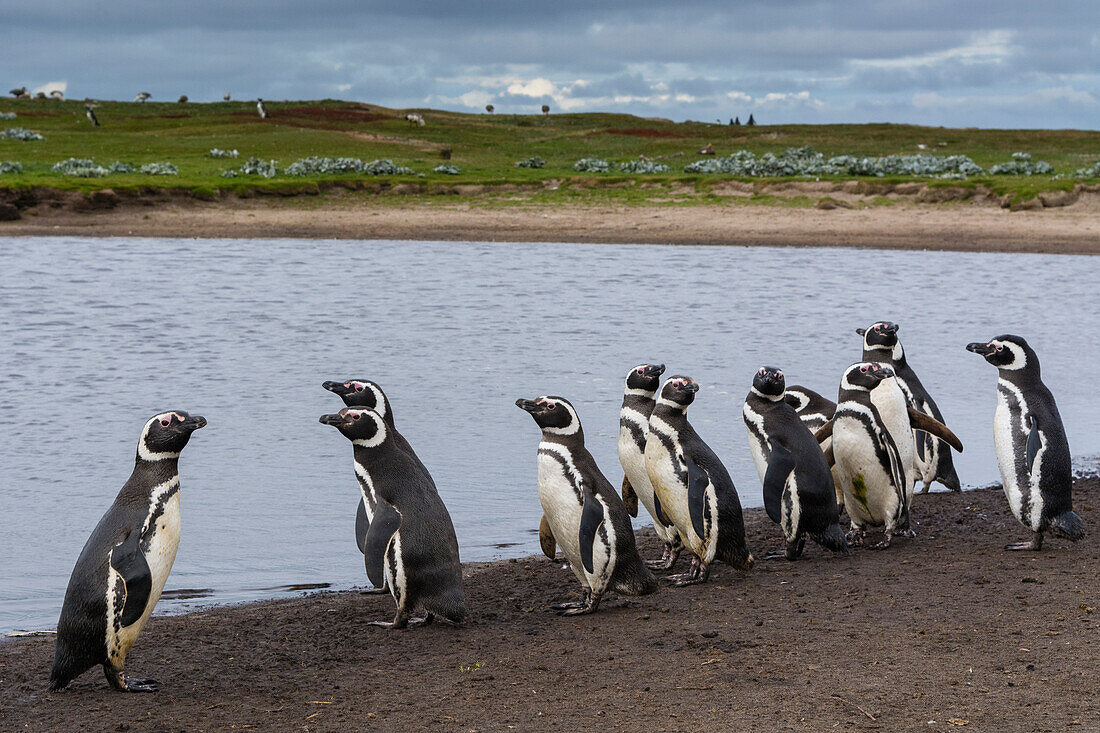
(694, 488)
(873, 450)
(411, 546)
(933, 459)
(586, 516)
(798, 486)
(639, 397)
(365, 393)
(261, 108)
(814, 411)
(122, 569)
(1032, 450)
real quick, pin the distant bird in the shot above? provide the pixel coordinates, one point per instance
(40, 95)
(414, 119)
(707, 149)
(261, 108)
(489, 108)
(751, 120)
(182, 99)
(90, 114)
(18, 92)
(142, 96)
(58, 94)
(226, 97)
(546, 110)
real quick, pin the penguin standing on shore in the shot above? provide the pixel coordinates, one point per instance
(365, 393)
(814, 411)
(261, 108)
(586, 516)
(1032, 449)
(873, 450)
(798, 486)
(411, 545)
(639, 397)
(89, 112)
(122, 569)
(932, 455)
(694, 488)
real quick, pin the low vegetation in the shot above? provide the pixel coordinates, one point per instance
(192, 146)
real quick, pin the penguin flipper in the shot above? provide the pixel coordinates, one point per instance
(546, 539)
(780, 466)
(385, 524)
(591, 519)
(697, 482)
(659, 512)
(824, 431)
(630, 498)
(919, 421)
(128, 561)
(362, 526)
(1034, 443)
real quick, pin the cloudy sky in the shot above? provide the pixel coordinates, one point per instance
(1009, 63)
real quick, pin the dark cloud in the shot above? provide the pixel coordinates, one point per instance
(820, 60)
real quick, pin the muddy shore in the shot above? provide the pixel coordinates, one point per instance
(910, 219)
(943, 632)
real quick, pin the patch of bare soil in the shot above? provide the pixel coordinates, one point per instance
(943, 632)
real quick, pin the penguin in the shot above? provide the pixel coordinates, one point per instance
(798, 486)
(933, 459)
(122, 569)
(586, 516)
(90, 114)
(1032, 449)
(639, 396)
(365, 393)
(261, 109)
(142, 96)
(694, 488)
(411, 545)
(873, 450)
(814, 411)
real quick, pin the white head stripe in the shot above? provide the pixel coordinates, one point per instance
(143, 449)
(845, 384)
(1019, 356)
(772, 397)
(574, 421)
(802, 397)
(379, 437)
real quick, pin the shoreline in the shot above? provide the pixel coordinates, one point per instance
(946, 627)
(733, 220)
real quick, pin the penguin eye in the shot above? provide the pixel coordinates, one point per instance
(863, 369)
(997, 347)
(358, 388)
(165, 423)
(355, 416)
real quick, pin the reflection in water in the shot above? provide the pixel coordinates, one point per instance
(101, 333)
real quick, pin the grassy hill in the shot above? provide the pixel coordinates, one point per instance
(485, 147)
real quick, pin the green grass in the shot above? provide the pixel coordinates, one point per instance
(484, 146)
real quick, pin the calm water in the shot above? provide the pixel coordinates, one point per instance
(100, 334)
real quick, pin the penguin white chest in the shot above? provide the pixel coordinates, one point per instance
(632, 459)
(560, 499)
(758, 442)
(664, 467)
(160, 541)
(869, 493)
(893, 410)
(1010, 430)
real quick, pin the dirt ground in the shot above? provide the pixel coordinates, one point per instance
(943, 632)
(906, 224)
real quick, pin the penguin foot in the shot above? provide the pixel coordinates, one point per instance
(883, 543)
(374, 591)
(776, 555)
(1032, 545)
(680, 581)
(567, 605)
(581, 611)
(926, 488)
(855, 537)
(426, 621)
(668, 559)
(910, 533)
(122, 683)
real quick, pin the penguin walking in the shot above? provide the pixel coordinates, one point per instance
(798, 486)
(89, 112)
(411, 545)
(1032, 449)
(694, 488)
(365, 393)
(873, 450)
(122, 569)
(639, 397)
(814, 411)
(932, 456)
(261, 109)
(585, 515)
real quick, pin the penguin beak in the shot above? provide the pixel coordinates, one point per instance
(334, 419)
(528, 405)
(653, 370)
(980, 349)
(194, 422)
(691, 387)
(338, 388)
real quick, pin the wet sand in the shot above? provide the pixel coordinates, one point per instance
(905, 224)
(943, 632)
